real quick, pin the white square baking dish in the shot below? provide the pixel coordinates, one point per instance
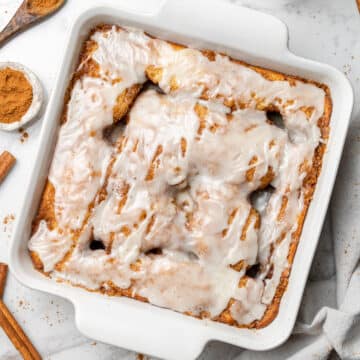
(244, 34)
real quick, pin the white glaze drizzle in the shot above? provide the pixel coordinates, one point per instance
(192, 194)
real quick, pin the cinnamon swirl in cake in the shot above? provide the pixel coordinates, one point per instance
(181, 177)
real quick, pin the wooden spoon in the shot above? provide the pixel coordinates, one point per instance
(27, 14)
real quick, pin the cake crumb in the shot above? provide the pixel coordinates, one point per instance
(347, 69)
(8, 219)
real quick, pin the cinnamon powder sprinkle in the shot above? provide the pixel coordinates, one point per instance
(24, 135)
(16, 95)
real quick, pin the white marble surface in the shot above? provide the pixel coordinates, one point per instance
(324, 30)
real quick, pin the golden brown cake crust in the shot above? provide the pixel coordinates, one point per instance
(90, 68)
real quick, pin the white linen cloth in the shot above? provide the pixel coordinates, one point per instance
(328, 324)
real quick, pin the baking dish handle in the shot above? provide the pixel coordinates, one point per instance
(215, 18)
(143, 328)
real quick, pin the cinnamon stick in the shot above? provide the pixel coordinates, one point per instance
(17, 335)
(358, 4)
(3, 274)
(11, 328)
(7, 161)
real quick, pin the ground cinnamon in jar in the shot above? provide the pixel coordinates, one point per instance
(40, 7)
(16, 95)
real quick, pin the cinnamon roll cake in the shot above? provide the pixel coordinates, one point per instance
(181, 177)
